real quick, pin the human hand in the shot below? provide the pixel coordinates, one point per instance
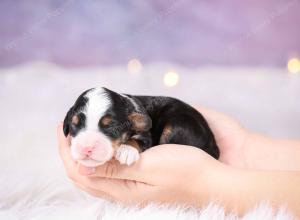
(231, 137)
(244, 149)
(165, 173)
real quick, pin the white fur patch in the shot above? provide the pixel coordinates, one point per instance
(97, 105)
(136, 107)
(127, 154)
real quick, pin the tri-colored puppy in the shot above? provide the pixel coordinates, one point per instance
(104, 124)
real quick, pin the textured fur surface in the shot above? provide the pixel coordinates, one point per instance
(49, 198)
(33, 184)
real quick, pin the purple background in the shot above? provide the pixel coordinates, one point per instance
(188, 32)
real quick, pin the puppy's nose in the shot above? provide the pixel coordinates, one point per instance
(87, 150)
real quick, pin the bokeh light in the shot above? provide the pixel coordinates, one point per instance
(171, 79)
(134, 66)
(294, 65)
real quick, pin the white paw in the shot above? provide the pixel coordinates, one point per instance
(127, 154)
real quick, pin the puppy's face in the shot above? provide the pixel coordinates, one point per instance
(99, 122)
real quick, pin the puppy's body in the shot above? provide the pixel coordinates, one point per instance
(105, 124)
(175, 122)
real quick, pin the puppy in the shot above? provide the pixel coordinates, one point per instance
(104, 124)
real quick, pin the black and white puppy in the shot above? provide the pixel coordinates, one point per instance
(104, 124)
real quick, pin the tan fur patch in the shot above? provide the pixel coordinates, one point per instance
(134, 144)
(165, 134)
(138, 121)
(106, 120)
(75, 120)
(117, 143)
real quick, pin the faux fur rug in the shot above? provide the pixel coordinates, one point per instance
(43, 198)
(34, 98)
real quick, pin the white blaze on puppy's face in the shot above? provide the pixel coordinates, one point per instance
(90, 147)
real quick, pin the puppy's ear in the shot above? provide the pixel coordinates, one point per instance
(140, 121)
(67, 122)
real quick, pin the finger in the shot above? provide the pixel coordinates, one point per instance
(115, 188)
(63, 142)
(129, 197)
(213, 117)
(145, 170)
(139, 171)
(93, 192)
(209, 114)
(112, 169)
(64, 150)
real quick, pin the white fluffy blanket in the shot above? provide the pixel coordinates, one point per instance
(34, 98)
(41, 198)
(27, 197)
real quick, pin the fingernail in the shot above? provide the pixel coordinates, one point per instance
(87, 170)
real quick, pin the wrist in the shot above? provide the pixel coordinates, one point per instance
(228, 187)
(214, 183)
(251, 151)
(265, 153)
(245, 189)
(259, 152)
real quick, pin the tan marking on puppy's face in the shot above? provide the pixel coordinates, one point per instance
(116, 143)
(75, 120)
(139, 122)
(164, 138)
(106, 120)
(134, 144)
(124, 140)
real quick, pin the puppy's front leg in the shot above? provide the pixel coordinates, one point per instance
(128, 153)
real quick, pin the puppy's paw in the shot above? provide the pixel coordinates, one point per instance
(127, 154)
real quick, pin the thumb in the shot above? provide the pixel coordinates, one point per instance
(113, 169)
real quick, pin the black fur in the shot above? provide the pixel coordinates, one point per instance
(188, 126)
(70, 128)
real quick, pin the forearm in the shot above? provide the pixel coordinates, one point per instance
(249, 188)
(241, 190)
(266, 153)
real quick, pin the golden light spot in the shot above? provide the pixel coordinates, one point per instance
(294, 65)
(134, 66)
(171, 79)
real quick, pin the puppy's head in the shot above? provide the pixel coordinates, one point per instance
(101, 120)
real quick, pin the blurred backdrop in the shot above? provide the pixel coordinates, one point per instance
(238, 57)
(187, 32)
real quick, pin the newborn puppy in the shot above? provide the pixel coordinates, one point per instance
(104, 124)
